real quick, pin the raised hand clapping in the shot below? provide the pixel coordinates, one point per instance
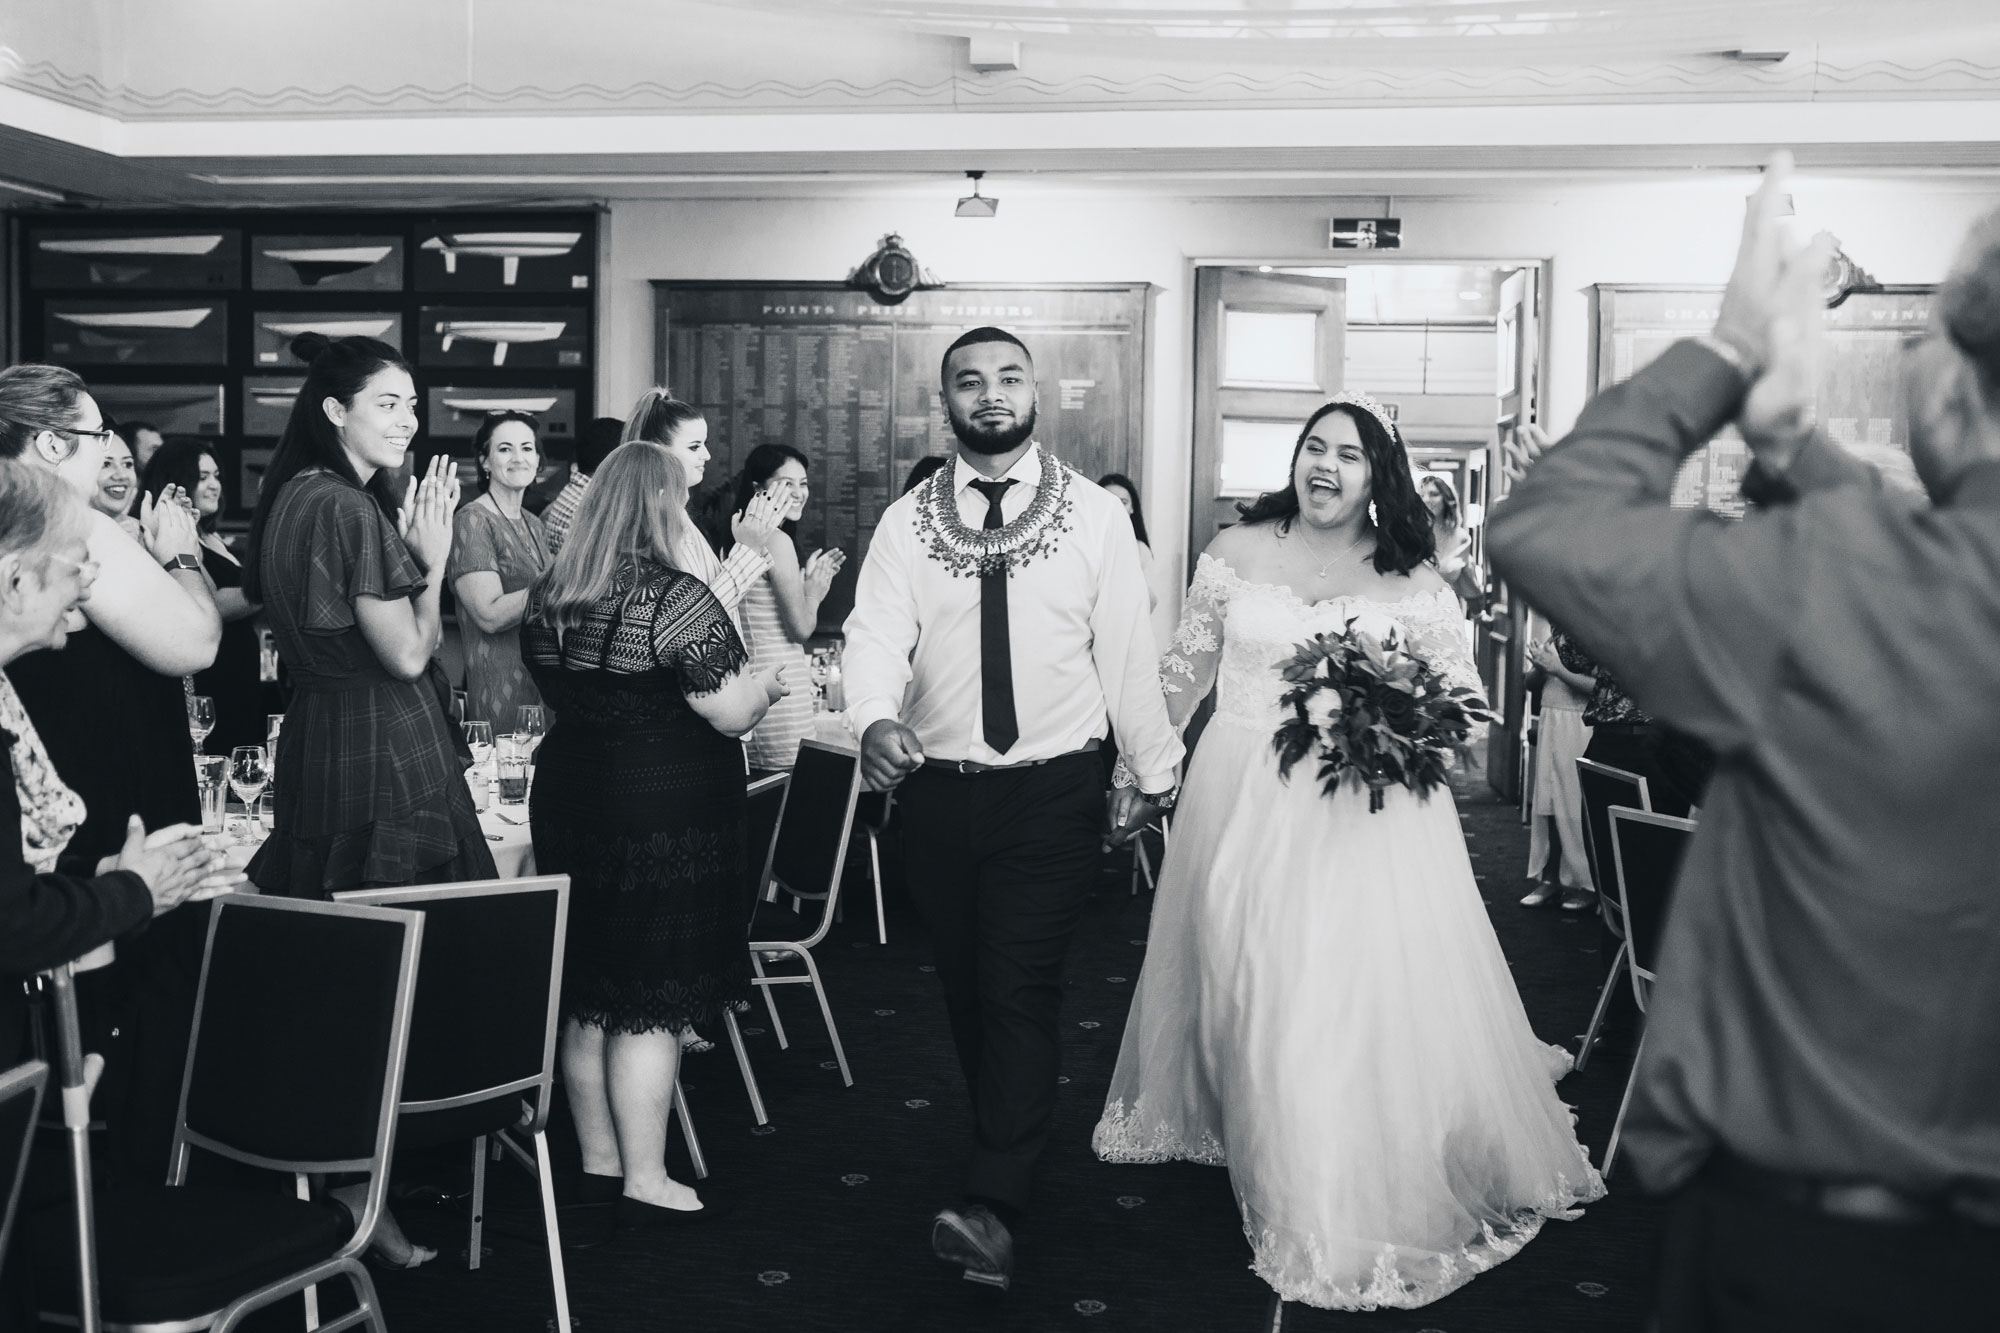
(425, 519)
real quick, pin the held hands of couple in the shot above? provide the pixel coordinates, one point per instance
(1126, 812)
(425, 518)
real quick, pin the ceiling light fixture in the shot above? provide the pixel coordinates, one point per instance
(976, 205)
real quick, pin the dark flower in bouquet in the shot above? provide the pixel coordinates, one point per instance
(1370, 706)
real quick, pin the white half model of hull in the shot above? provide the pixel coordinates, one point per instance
(332, 328)
(484, 405)
(314, 263)
(509, 247)
(134, 245)
(143, 320)
(502, 333)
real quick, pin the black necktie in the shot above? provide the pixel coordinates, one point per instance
(996, 659)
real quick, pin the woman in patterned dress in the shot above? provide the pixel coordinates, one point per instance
(497, 550)
(780, 612)
(639, 799)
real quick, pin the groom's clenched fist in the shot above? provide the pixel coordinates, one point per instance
(890, 752)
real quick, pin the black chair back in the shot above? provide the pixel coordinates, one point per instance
(483, 1031)
(301, 1024)
(764, 798)
(1603, 787)
(1648, 849)
(815, 821)
(20, 1104)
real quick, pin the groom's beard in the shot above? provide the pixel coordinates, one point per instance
(991, 440)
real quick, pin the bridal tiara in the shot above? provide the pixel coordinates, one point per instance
(1374, 409)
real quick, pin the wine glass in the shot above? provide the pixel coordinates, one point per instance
(479, 740)
(248, 772)
(529, 724)
(201, 718)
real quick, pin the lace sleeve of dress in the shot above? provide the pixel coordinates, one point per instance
(1435, 624)
(1188, 667)
(693, 635)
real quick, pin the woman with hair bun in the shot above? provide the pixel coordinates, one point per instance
(369, 789)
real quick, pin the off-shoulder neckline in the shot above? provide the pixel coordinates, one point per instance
(1280, 590)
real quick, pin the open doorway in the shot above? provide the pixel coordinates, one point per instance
(1453, 350)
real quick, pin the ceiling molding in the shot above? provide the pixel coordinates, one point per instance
(1685, 80)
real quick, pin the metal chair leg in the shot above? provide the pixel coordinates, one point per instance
(478, 1201)
(76, 1130)
(743, 1063)
(826, 1012)
(557, 1276)
(687, 1128)
(1619, 961)
(875, 874)
(1624, 1104)
(777, 1023)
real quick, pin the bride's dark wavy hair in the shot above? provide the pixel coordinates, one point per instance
(1403, 536)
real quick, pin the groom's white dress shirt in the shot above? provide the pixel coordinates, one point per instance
(1079, 629)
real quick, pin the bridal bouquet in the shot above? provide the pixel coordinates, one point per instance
(1372, 706)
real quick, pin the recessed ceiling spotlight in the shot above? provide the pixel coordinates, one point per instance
(976, 205)
(1263, 268)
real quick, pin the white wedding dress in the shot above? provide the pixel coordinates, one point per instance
(1324, 1008)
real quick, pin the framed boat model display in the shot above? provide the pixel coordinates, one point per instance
(272, 331)
(1859, 400)
(186, 319)
(180, 258)
(159, 332)
(454, 413)
(326, 263)
(501, 336)
(171, 409)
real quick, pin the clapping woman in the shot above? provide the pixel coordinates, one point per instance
(497, 550)
(369, 791)
(781, 610)
(639, 799)
(112, 718)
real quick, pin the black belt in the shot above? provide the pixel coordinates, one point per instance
(973, 766)
(1624, 728)
(1852, 1200)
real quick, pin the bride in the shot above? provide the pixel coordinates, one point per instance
(1324, 1008)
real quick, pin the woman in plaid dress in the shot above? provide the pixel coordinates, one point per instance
(369, 791)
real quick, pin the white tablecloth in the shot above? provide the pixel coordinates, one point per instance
(510, 842)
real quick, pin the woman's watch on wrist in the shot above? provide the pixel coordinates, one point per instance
(180, 562)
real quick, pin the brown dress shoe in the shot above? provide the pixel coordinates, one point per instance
(972, 1238)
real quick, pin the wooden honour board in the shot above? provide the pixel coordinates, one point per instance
(1859, 400)
(853, 384)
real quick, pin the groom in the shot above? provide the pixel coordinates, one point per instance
(1000, 617)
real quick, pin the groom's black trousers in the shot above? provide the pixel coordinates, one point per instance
(999, 864)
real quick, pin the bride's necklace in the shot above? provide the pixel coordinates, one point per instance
(1328, 566)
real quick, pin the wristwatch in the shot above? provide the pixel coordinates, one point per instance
(1164, 801)
(182, 561)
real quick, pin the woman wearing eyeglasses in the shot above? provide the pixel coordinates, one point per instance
(497, 550)
(112, 716)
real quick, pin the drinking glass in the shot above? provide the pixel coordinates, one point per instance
(248, 772)
(479, 740)
(212, 779)
(530, 722)
(273, 724)
(513, 770)
(201, 718)
(267, 814)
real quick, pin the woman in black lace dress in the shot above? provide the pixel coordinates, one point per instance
(638, 797)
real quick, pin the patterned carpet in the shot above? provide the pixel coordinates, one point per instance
(834, 1198)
